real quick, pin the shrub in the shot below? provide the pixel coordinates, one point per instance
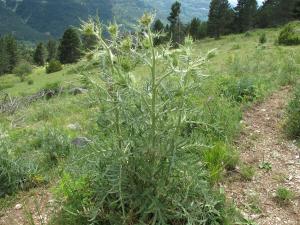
(284, 196)
(30, 82)
(290, 35)
(292, 124)
(263, 38)
(22, 70)
(53, 66)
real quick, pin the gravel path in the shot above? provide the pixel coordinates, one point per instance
(262, 141)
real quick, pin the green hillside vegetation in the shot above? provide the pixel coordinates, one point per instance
(36, 141)
(11, 23)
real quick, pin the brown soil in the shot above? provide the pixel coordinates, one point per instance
(262, 141)
(35, 208)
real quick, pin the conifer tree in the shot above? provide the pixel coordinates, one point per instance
(39, 55)
(246, 11)
(197, 29)
(11, 51)
(219, 18)
(296, 11)
(176, 28)
(276, 12)
(158, 27)
(51, 50)
(3, 58)
(70, 47)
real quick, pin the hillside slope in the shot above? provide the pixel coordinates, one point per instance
(51, 17)
(11, 23)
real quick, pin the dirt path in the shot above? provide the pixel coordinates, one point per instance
(32, 208)
(262, 140)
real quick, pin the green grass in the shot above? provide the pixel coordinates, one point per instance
(237, 74)
(283, 195)
(67, 77)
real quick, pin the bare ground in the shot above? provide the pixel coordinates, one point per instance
(33, 208)
(262, 141)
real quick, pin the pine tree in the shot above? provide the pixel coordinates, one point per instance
(51, 50)
(39, 55)
(296, 11)
(194, 28)
(176, 28)
(158, 27)
(11, 51)
(246, 11)
(70, 47)
(219, 18)
(3, 57)
(275, 12)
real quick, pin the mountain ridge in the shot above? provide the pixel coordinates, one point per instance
(49, 18)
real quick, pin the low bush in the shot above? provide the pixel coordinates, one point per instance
(290, 35)
(263, 38)
(53, 66)
(22, 70)
(292, 123)
(30, 82)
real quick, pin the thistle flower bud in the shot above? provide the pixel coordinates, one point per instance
(188, 41)
(126, 44)
(146, 20)
(113, 30)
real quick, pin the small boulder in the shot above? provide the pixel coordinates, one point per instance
(18, 206)
(78, 91)
(80, 142)
(74, 126)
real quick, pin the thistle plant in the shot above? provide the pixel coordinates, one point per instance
(147, 170)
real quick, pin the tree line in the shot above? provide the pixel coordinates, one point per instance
(68, 49)
(224, 19)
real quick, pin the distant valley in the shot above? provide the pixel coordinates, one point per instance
(37, 20)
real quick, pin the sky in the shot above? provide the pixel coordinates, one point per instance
(233, 2)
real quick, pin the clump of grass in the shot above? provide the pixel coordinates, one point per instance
(292, 123)
(239, 89)
(53, 143)
(54, 86)
(283, 195)
(254, 203)
(236, 47)
(247, 172)
(247, 34)
(289, 71)
(219, 158)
